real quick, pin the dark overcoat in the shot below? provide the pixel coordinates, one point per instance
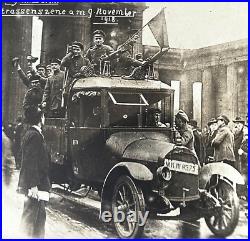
(223, 144)
(53, 91)
(35, 163)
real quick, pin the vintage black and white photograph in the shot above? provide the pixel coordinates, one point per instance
(124, 120)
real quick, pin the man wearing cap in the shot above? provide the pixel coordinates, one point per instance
(208, 137)
(99, 50)
(49, 71)
(26, 78)
(238, 138)
(186, 137)
(223, 142)
(33, 96)
(52, 96)
(76, 64)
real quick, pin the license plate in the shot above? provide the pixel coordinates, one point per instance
(180, 166)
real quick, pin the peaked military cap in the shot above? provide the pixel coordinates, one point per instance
(239, 120)
(55, 60)
(35, 78)
(31, 58)
(40, 66)
(77, 45)
(99, 32)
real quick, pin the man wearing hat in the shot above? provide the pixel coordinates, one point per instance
(186, 137)
(52, 96)
(99, 50)
(223, 142)
(34, 176)
(238, 138)
(208, 137)
(76, 64)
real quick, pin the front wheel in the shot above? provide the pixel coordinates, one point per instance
(224, 222)
(128, 205)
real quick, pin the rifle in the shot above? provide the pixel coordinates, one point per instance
(121, 49)
(140, 72)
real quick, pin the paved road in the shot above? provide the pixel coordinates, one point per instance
(70, 220)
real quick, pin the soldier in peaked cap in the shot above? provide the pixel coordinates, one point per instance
(41, 69)
(33, 96)
(186, 134)
(223, 142)
(52, 97)
(99, 50)
(76, 63)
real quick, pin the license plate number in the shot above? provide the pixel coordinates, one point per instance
(183, 167)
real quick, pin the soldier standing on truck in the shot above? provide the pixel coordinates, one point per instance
(52, 96)
(77, 65)
(98, 51)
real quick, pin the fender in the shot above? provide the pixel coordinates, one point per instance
(136, 170)
(221, 169)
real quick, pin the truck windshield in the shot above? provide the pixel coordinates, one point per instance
(129, 99)
(134, 109)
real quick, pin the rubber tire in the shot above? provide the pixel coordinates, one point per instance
(228, 189)
(139, 203)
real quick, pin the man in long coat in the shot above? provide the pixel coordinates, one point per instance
(223, 142)
(34, 176)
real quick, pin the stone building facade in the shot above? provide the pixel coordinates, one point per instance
(221, 70)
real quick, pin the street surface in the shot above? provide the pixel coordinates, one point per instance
(67, 219)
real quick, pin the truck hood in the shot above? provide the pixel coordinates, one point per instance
(147, 146)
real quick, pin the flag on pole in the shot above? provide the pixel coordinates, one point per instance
(158, 27)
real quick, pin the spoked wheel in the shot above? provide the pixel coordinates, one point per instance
(224, 222)
(127, 202)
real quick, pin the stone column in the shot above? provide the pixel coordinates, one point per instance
(16, 43)
(186, 94)
(208, 97)
(242, 89)
(231, 92)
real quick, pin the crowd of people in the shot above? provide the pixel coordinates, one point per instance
(218, 142)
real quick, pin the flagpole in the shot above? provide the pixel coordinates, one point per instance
(128, 40)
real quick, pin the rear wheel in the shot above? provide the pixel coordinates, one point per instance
(224, 222)
(127, 202)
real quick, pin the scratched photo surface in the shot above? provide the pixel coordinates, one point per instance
(143, 120)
